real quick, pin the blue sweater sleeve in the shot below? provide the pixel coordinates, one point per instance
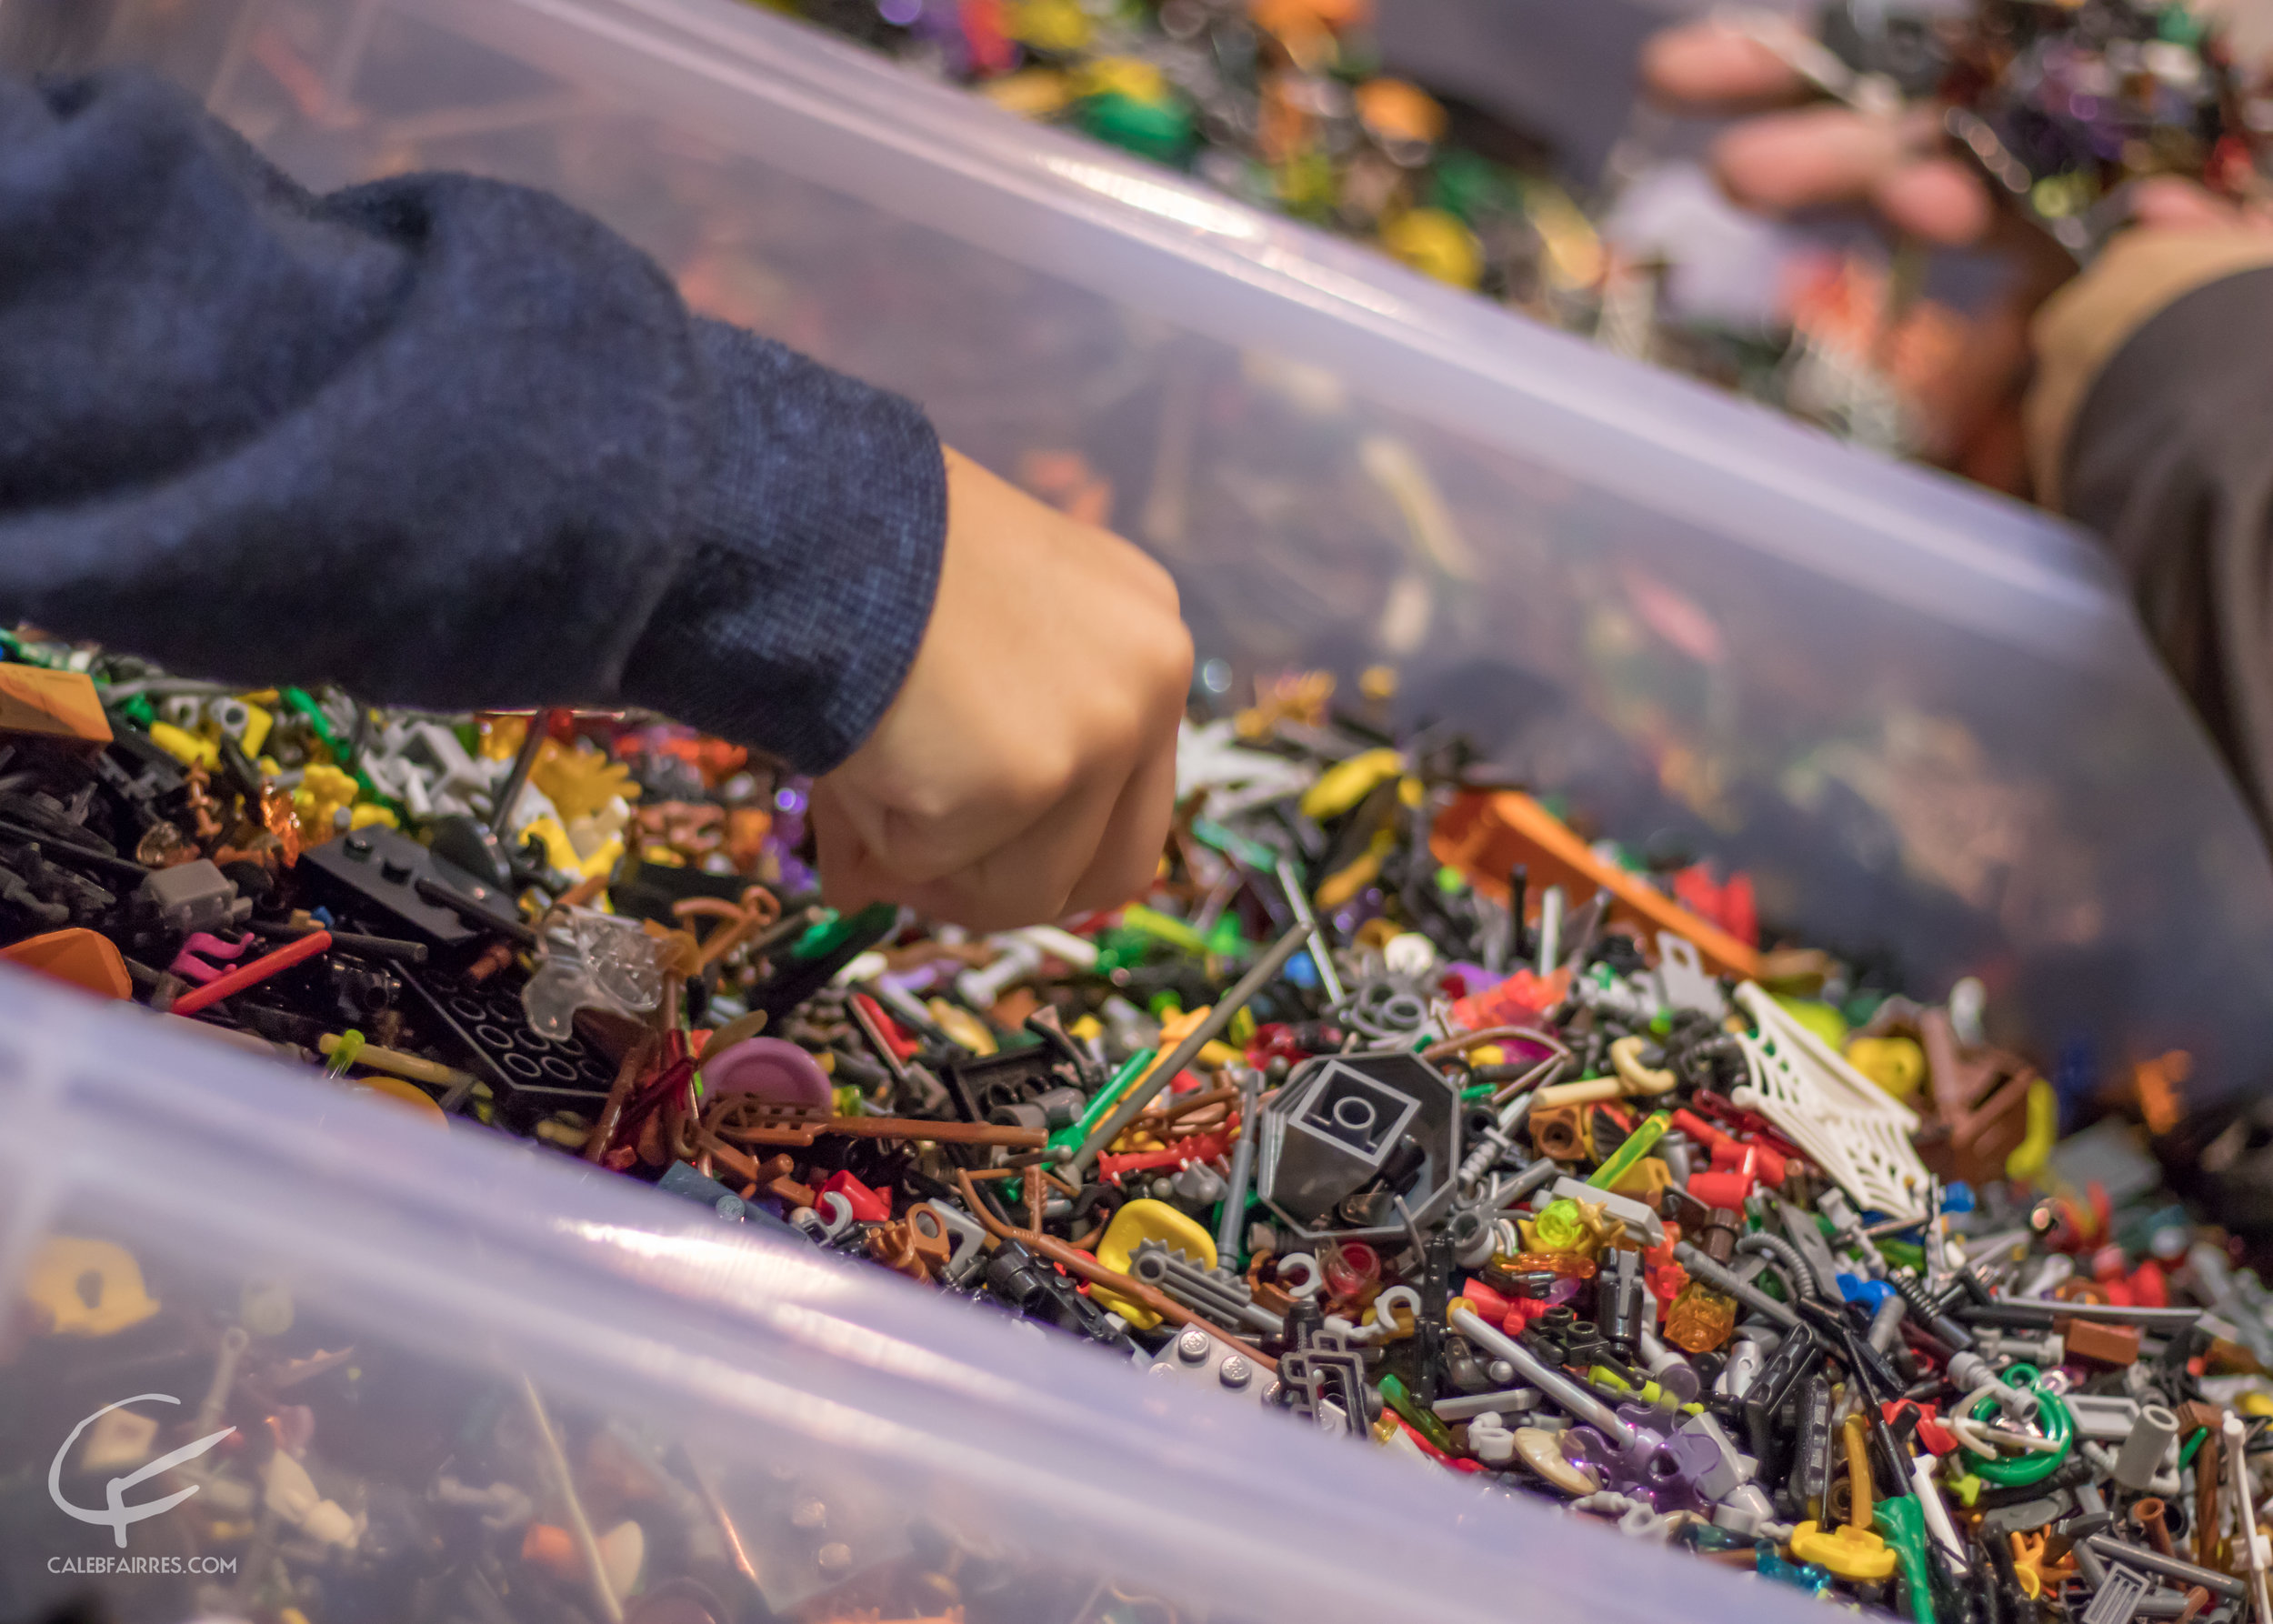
(449, 442)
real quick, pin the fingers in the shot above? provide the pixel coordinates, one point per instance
(1937, 199)
(1094, 850)
(1713, 68)
(851, 878)
(1128, 853)
(926, 838)
(2167, 203)
(1030, 877)
(1096, 847)
(1780, 163)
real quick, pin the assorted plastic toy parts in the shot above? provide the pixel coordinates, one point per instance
(2059, 104)
(1505, 1169)
(2063, 106)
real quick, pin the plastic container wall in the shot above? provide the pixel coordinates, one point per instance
(416, 1299)
(1924, 718)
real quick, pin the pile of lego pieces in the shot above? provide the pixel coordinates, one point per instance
(1397, 1107)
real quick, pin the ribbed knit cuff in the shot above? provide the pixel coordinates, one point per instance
(810, 559)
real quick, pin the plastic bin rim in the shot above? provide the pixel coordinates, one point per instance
(1820, 503)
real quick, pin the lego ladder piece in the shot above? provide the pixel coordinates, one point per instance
(1847, 1125)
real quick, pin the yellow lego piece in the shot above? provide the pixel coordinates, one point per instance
(1135, 1223)
(86, 1288)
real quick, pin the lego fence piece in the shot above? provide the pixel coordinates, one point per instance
(1847, 1125)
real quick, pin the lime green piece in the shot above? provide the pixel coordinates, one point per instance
(1965, 1485)
(1451, 881)
(1306, 185)
(1161, 928)
(1637, 1145)
(1559, 1228)
(1164, 1003)
(1422, 1421)
(1904, 1254)
(343, 1053)
(1818, 1017)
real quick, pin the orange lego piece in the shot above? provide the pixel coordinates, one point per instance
(53, 704)
(84, 958)
(1485, 836)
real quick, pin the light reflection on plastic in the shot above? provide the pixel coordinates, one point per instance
(721, 1266)
(1156, 197)
(890, 1443)
(876, 1352)
(785, 1290)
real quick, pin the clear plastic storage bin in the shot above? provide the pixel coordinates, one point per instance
(794, 1438)
(1924, 719)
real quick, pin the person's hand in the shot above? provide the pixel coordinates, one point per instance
(1782, 157)
(1027, 767)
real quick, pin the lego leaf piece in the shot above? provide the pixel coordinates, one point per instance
(1847, 1125)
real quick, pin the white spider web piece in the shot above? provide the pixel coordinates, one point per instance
(1848, 1126)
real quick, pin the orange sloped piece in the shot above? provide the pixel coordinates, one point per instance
(53, 704)
(85, 959)
(1485, 836)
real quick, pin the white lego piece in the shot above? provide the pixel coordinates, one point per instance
(1847, 1125)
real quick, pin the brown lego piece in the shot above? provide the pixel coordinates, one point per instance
(1562, 1132)
(52, 704)
(1980, 1097)
(2099, 1343)
(2196, 1416)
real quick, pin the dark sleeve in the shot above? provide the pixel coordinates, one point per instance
(2171, 460)
(449, 442)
